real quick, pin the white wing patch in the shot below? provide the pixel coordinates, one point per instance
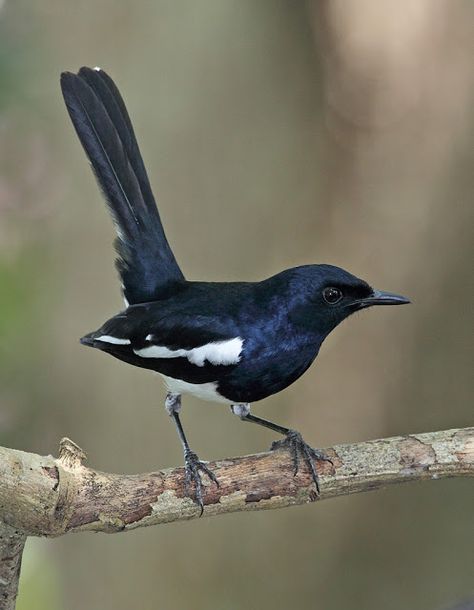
(113, 340)
(217, 352)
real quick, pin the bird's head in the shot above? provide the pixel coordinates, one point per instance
(322, 296)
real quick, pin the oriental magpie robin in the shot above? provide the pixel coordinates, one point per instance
(230, 342)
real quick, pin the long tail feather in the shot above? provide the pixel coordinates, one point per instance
(106, 90)
(146, 264)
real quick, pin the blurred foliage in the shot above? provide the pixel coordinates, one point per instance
(276, 134)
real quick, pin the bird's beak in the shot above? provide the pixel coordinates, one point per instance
(380, 297)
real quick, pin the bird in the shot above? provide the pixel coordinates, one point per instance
(234, 343)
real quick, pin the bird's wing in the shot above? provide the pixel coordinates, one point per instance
(146, 264)
(199, 340)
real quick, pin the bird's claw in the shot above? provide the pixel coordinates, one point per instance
(298, 448)
(193, 466)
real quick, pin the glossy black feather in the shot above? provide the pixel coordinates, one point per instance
(278, 324)
(282, 321)
(146, 263)
(106, 90)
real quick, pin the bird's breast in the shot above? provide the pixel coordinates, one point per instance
(267, 368)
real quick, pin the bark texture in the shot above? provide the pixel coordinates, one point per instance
(12, 543)
(44, 496)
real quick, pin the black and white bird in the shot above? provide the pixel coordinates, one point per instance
(230, 342)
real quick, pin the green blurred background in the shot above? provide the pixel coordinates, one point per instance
(276, 133)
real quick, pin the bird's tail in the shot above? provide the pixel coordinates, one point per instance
(146, 264)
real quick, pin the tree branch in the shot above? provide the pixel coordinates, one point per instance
(44, 496)
(12, 543)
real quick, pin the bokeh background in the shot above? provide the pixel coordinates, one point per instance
(276, 133)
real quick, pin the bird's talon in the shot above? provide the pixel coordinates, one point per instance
(298, 449)
(193, 466)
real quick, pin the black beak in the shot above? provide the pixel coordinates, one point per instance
(380, 297)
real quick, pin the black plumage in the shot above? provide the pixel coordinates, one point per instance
(234, 342)
(146, 264)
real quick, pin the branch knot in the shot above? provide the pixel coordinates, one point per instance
(70, 454)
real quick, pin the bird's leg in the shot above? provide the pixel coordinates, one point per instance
(193, 464)
(293, 441)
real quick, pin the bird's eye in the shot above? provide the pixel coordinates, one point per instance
(332, 295)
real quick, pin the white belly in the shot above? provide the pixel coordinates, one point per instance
(205, 391)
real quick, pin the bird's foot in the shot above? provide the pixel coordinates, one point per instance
(298, 448)
(193, 467)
